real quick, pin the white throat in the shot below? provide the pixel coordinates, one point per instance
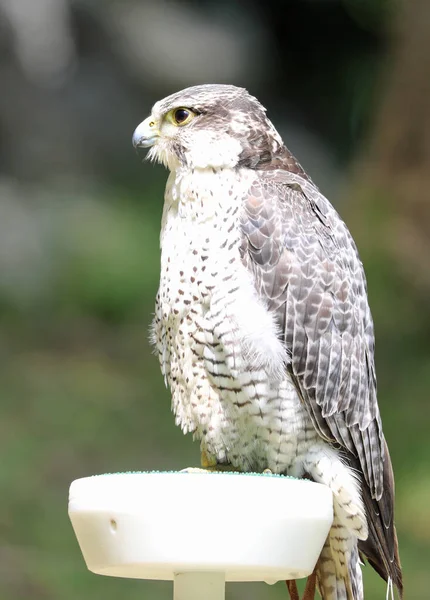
(213, 151)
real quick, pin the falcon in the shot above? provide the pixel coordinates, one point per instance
(262, 323)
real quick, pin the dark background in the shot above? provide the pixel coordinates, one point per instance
(347, 83)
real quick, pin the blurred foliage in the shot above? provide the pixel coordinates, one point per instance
(79, 252)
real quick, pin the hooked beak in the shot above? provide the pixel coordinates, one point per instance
(145, 134)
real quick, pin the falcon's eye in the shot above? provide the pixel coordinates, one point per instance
(182, 116)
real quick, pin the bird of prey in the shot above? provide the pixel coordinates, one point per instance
(262, 323)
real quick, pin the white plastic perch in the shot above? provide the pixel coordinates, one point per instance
(200, 529)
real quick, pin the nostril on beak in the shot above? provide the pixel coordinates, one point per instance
(145, 134)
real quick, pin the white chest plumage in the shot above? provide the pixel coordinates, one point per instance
(218, 345)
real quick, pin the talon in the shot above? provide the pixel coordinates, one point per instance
(194, 470)
(207, 460)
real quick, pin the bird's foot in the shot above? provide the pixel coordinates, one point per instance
(215, 469)
(209, 465)
(195, 470)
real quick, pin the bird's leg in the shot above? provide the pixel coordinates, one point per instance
(292, 589)
(310, 588)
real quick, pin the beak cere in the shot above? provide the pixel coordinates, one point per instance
(145, 134)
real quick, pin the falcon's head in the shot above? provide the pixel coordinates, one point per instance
(209, 126)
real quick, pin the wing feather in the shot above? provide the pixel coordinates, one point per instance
(306, 267)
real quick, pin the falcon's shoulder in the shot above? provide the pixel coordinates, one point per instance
(308, 273)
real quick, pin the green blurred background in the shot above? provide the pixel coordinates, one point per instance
(347, 82)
